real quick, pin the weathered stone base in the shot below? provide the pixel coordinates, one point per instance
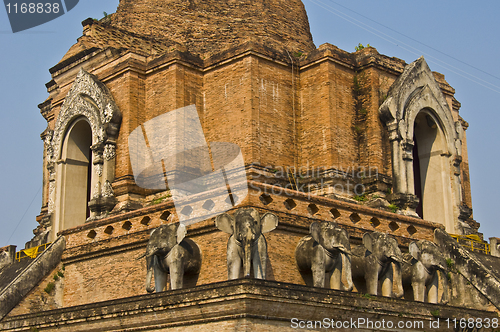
(241, 305)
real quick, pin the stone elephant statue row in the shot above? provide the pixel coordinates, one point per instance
(327, 255)
(169, 252)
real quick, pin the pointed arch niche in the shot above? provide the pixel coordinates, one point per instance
(74, 174)
(425, 148)
(81, 155)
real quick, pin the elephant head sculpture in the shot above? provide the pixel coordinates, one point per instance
(169, 252)
(246, 245)
(379, 258)
(423, 271)
(326, 252)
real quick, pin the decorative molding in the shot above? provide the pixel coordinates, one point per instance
(97, 191)
(51, 203)
(98, 169)
(416, 90)
(109, 151)
(107, 190)
(90, 98)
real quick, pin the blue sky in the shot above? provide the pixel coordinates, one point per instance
(458, 38)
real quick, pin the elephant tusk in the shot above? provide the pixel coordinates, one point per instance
(396, 259)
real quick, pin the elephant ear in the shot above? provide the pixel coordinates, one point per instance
(268, 222)
(368, 241)
(315, 230)
(181, 232)
(414, 250)
(225, 223)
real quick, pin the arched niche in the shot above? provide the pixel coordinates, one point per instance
(431, 169)
(80, 154)
(74, 170)
(421, 126)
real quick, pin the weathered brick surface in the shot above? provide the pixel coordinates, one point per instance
(209, 27)
(39, 300)
(316, 109)
(325, 115)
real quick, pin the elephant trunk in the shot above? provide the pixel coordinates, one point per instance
(444, 279)
(346, 266)
(248, 259)
(247, 252)
(150, 262)
(398, 279)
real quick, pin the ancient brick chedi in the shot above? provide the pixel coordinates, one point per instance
(356, 148)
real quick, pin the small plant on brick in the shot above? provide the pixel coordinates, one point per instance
(56, 277)
(394, 208)
(450, 263)
(435, 313)
(382, 98)
(60, 274)
(33, 329)
(357, 85)
(158, 200)
(361, 46)
(361, 96)
(360, 198)
(50, 286)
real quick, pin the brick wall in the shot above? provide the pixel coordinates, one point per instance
(100, 260)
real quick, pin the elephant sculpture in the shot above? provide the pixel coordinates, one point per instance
(326, 252)
(379, 259)
(169, 252)
(423, 268)
(246, 245)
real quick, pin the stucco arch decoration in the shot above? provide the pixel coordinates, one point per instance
(417, 90)
(91, 99)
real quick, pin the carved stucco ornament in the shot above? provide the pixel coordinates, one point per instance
(52, 187)
(109, 151)
(107, 190)
(97, 190)
(98, 169)
(89, 98)
(416, 89)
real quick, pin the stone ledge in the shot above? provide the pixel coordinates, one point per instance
(265, 302)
